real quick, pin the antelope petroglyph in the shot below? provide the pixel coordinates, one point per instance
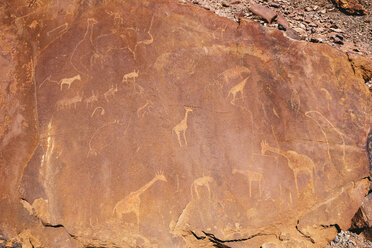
(67, 103)
(131, 75)
(69, 81)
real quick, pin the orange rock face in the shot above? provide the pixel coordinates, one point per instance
(158, 124)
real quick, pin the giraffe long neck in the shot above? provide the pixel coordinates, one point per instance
(146, 186)
(244, 82)
(186, 114)
(245, 173)
(277, 151)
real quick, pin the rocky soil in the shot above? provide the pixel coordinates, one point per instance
(314, 21)
(348, 239)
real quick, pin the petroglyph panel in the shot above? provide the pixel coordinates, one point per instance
(125, 89)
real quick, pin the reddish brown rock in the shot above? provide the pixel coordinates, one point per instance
(159, 124)
(367, 209)
(282, 22)
(291, 33)
(352, 7)
(264, 12)
(362, 66)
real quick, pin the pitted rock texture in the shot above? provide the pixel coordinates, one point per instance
(158, 124)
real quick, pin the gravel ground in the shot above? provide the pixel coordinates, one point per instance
(314, 20)
(349, 240)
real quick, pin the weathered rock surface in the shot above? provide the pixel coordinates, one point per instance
(352, 7)
(158, 124)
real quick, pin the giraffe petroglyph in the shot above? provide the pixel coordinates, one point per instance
(69, 81)
(181, 127)
(200, 182)
(142, 111)
(297, 162)
(132, 202)
(253, 176)
(239, 88)
(110, 92)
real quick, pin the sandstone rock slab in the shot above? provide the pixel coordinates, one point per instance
(140, 123)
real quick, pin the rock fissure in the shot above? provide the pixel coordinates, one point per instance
(308, 237)
(211, 237)
(332, 226)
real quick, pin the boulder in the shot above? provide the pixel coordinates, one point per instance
(263, 12)
(160, 124)
(352, 7)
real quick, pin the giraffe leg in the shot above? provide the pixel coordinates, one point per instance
(259, 187)
(137, 215)
(233, 99)
(312, 181)
(179, 138)
(184, 136)
(250, 188)
(241, 94)
(228, 95)
(295, 177)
